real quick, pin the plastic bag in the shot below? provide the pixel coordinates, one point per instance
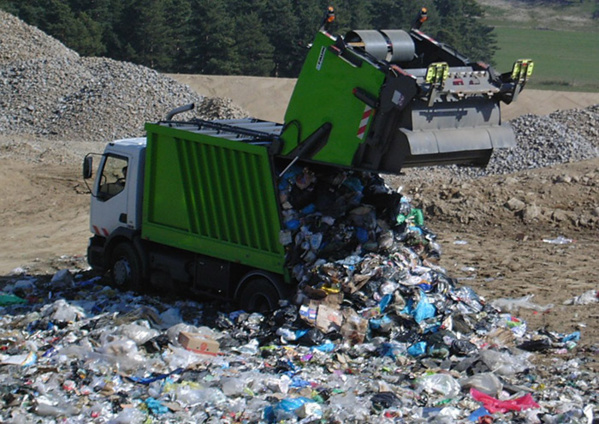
(422, 310)
(588, 297)
(495, 405)
(286, 409)
(508, 304)
(504, 363)
(140, 332)
(444, 384)
(486, 382)
(10, 299)
(62, 311)
(558, 240)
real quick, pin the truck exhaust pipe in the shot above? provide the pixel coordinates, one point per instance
(178, 110)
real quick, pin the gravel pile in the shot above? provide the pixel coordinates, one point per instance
(542, 141)
(21, 42)
(49, 90)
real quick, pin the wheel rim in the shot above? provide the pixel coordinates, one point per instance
(261, 303)
(121, 271)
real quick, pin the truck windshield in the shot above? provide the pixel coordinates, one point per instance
(113, 177)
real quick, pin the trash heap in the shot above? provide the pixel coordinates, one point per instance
(365, 262)
(377, 332)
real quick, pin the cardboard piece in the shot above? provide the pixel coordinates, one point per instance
(199, 343)
(354, 326)
(328, 319)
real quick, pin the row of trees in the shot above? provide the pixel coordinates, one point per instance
(238, 37)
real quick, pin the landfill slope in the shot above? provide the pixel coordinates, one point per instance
(75, 350)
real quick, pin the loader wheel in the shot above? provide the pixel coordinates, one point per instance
(125, 268)
(259, 295)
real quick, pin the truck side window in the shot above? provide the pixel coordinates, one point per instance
(113, 177)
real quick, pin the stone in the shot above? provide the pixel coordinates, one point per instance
(515, 204)
(531, 213)
(559, 215)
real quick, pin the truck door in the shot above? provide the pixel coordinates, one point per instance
(109, 206)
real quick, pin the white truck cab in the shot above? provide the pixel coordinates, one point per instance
(118, 188)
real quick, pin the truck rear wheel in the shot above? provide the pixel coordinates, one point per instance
(259, 295)
(125, 267)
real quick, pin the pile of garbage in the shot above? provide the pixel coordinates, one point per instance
(77, 351)
(377, 332)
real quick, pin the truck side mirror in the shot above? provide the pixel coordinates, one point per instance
(88, 163)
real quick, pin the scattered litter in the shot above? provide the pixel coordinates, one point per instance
(509, 305)
(559, 240)
(588, 297)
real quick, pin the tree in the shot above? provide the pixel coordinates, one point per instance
(281, 25)
(178, 15)
(213, 38)
(85, 36)
(107, 14)
(9, 7)
(76, 31)
(254, 50)
(256, 37)
(389, 14)
(460, 27)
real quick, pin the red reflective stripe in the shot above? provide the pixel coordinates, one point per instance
(96, 230)
(364, 122)
(105, 231)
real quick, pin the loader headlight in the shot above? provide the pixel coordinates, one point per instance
(522, 69)
(437, 73)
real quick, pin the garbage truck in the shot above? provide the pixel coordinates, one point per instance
(194, 204)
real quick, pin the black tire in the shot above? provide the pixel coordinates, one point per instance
(125, 268)
(259, 295)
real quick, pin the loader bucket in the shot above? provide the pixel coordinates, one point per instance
(464, 132)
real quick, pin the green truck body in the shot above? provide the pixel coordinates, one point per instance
(212, 196)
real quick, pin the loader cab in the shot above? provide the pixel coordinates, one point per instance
(118, 187)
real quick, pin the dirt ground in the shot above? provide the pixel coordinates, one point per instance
(489, 243)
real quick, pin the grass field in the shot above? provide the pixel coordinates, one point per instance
(561, 38)
(564, 60)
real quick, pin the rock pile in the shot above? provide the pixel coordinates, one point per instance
(21, 42)
(542, 141)
(49, 90)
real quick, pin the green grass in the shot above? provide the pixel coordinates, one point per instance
(564, 60)
(561, 38)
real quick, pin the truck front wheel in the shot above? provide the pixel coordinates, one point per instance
(125, 267)
(259, 295)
